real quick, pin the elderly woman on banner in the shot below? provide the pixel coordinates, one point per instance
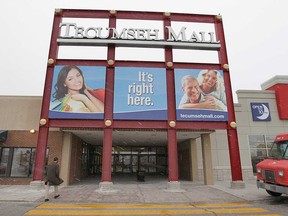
(211, 85)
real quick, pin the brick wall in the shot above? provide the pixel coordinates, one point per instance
(22, 139)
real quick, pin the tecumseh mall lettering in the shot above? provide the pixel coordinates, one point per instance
(72, 31)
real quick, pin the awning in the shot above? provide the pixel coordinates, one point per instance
(3, 135)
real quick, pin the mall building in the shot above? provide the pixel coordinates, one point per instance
(140, 126)
(80, 150)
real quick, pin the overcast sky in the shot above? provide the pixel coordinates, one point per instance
(256, 34)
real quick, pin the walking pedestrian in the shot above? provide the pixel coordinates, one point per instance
(52, 179)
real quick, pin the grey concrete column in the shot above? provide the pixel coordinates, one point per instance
(66, 158)
(207, 159)
(194, 160)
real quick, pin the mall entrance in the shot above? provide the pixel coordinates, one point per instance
(126, 160)
(144, 151)
(150, 160)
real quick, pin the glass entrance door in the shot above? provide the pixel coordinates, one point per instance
(151, 160)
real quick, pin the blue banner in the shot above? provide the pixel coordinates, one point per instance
(140, 93)
(260, 112)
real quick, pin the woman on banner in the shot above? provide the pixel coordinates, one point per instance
(72, 95)
(211, 85)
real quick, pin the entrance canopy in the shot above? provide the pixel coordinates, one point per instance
(135, 137)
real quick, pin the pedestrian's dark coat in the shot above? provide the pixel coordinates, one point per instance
(52, 174)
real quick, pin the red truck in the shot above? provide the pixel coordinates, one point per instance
(272, 173)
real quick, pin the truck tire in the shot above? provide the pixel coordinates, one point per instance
(272, 193)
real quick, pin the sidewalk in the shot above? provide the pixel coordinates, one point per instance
(150, 191)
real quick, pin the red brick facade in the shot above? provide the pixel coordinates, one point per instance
(22, 139)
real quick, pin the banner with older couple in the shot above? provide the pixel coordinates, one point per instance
(200, 95)
(78, 92)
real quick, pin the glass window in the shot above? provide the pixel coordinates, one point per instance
(152, 164)
(161, 150)
(259, 148)
(161, 162)
(134, 163)
(18, 162)
(279, 150)
(32, 159)
(127, 167)
(269, 141)
(4, 156)
(143, 163)
(257, 141)
(131, 160)
(152, 151)
(21, 166)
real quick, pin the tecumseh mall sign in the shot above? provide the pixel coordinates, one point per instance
(75, 35)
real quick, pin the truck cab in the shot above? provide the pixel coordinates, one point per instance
(272, 173)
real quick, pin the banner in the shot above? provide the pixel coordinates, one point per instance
(140, 93)
(260, 111)
(78, 92)
(200, 95)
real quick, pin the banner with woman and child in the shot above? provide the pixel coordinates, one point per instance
(200, 95)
